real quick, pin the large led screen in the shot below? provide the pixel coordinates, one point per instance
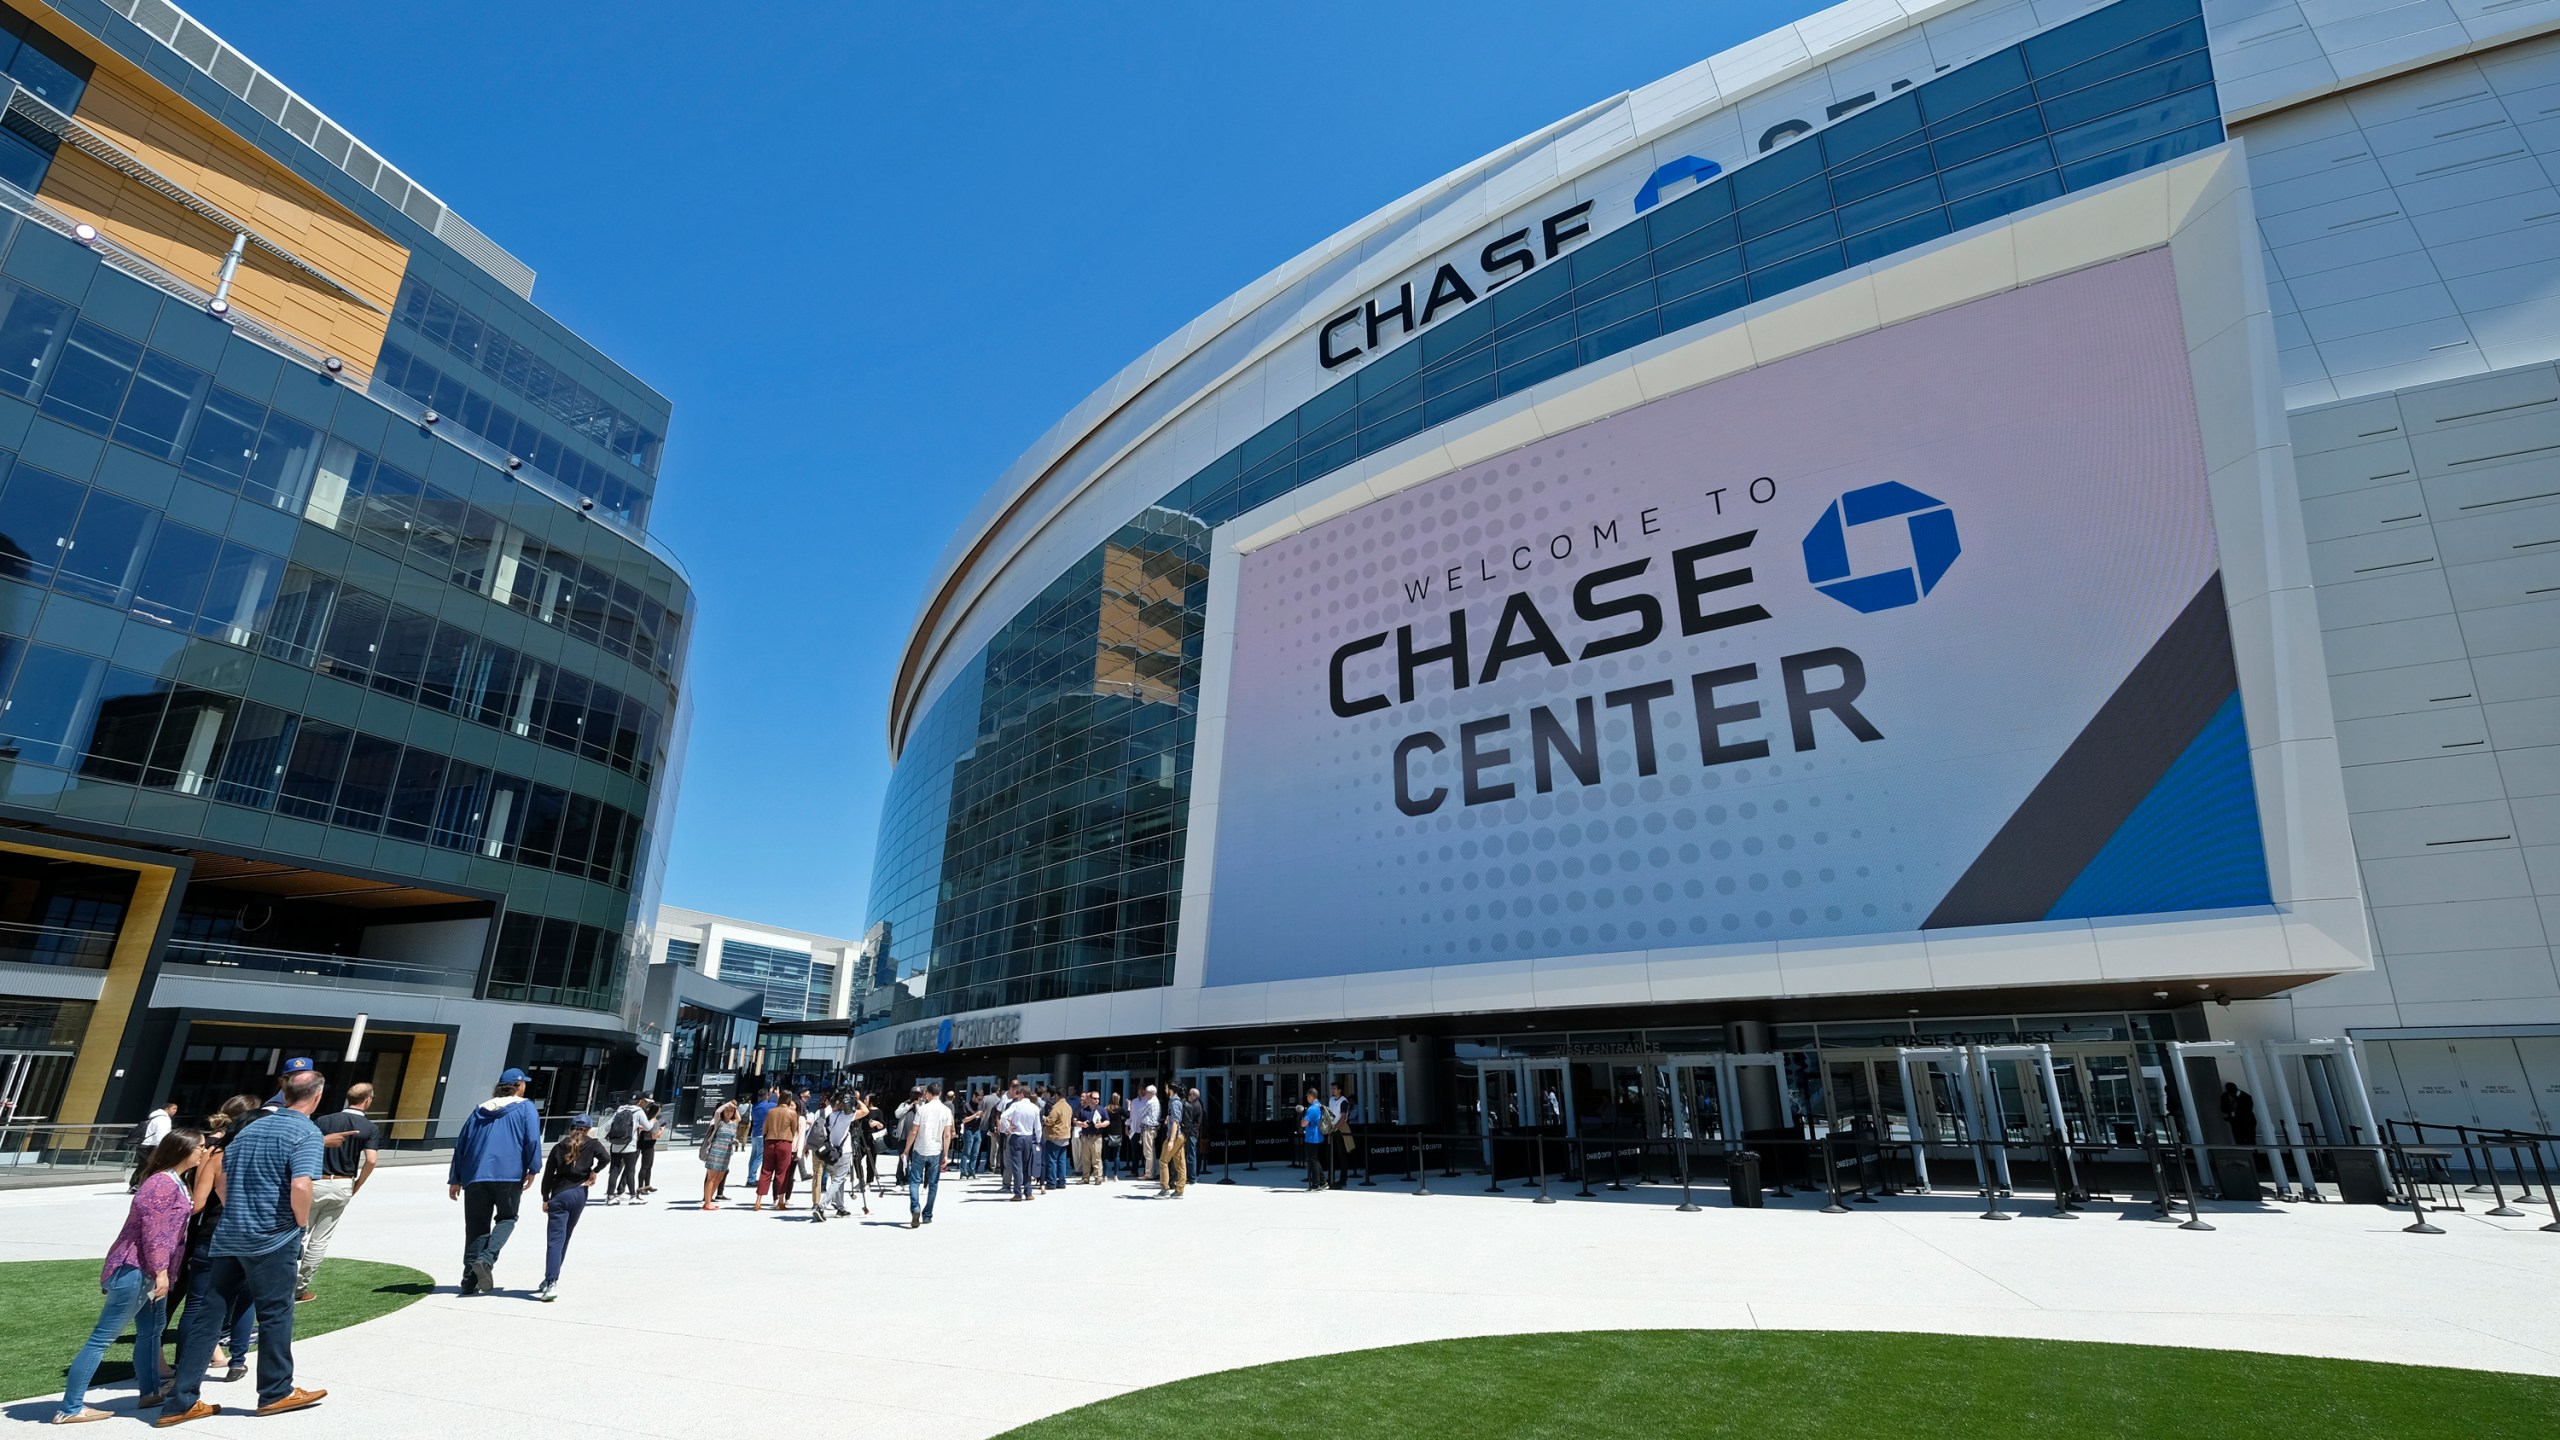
(1918, 630)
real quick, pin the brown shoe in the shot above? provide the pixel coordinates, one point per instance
(198, 1411)
(295, 1401)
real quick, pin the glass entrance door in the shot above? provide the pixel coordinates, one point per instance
(32, 1082)
(1108, 1082)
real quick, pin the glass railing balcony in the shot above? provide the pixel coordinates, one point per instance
(56, 945)
(356, 971)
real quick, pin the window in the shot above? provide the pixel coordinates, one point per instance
(171, 587)
(128, 719)
(48, 702)
(106, 548)
(318, 757)
(31, 324)
(37, 511)
(91, 377)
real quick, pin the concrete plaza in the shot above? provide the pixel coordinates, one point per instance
(673, 1321)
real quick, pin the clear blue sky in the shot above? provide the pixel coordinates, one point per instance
(872, 251)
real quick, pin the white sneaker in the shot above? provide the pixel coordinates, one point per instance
(546, 1294)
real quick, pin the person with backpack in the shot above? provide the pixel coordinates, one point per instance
(144, 1138)
(622, 1142)
(832, 1138)
(653, 1128)
(566, 1176)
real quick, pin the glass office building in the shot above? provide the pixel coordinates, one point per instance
(339, 673)
(1562, 602)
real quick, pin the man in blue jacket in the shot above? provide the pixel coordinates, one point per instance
(495, 1160)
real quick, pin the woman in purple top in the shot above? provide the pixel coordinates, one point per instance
(135, 1278)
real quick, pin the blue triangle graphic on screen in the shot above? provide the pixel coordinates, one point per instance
(2193, 842)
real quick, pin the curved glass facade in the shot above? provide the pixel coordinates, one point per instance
(1031, 844)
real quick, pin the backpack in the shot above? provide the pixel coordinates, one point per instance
(619, 1132)
(133, 1137)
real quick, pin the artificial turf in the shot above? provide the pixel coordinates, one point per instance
(1774, 1383)
(48, 1307)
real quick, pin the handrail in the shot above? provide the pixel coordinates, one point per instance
(93, 948)
(217, 955)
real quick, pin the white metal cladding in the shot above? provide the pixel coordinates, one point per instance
(188, 39)
(1250, 360)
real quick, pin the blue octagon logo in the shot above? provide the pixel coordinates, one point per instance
(942, 1038)
(1934, 547)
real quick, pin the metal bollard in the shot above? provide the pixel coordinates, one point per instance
(1688, 1206)
(2497, 1193)
(1582, 1171)
(1831, 1179)
(1617, 1165)
(1421, 1165)
(2417, 1202)
(1227, 1159)
(1543, 1197)
(2061, 1185)
(2159, 1181)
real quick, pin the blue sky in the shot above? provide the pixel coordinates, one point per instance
(872, 251)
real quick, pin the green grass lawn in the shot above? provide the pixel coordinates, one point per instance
(1764, 1383)
(48, 1307)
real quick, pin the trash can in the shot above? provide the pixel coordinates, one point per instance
(1743, 1173)
(2361, 1180)
(2235, 1175)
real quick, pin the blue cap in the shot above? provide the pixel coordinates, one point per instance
(298, 1065)
(581, 1122)
(514, 1077)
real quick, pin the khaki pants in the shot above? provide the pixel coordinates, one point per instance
(1089, 1158)
(1177, 1168)
(329, 1199)
(1147, 1148)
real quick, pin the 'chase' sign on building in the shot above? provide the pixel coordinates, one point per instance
(968, 1034)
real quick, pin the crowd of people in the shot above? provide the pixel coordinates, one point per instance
(229, 1222)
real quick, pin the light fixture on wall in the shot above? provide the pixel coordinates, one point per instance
(85, 233)
(333, 364)
(430, 417)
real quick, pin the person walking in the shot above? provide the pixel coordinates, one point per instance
(866, 1140)
(1146, 1113)
(653, 1129)
(221, 1127)
(755, 1131)
(146, 1141)
(928, 1136)
(622, 1143)
(350, 1146)
(135, 1278)
(781, 1142)
(566, 1176)
(1311, 1131)
(832, 1143)
(268, 1171)
(1091, 1122)
(1175, 1175)
(1343, 1113)
(973, 1137)
(1021, 1125)
(496, 1158)
(991, 1120)
(719, 1142)
(1115, 1137)
(1196, 1124)
(1057, 1127)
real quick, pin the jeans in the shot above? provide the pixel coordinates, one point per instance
(829, 1190)
(488, 1218)
(263, 1283)
(755, 1153)
(329, 1197)
(924, 1182)
(648, 1161)
(1021, 1157)
(1176, 1176)
(564, 1208)
(1315, 1163)
(624, 1176)
(128, 1299)
(199, 1291)
(1053, 1164)
(1193, 1140)
(973, 1151)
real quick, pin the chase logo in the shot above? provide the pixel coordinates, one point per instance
(1934, 547)
(1687, 167)
(942, 1038)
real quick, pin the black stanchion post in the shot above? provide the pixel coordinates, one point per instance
(1227, 1159)
(2061, 1184)
(1617, 1164)
(1582, 1168)
(2543, 1173)
(1369, 1166)
(2417, 1200)
(1543, 1197)
(1248, 1149)
(2497, 1193)
(2159, 1179)
(1492, 1168)
(1421, 1165)
(2195, 1220)
(1982, 1168)
(1831, 1179)
(1688, 1206)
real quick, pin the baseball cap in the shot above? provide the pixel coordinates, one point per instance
(298, 1065)
(514, 1077)
(581, 1122)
